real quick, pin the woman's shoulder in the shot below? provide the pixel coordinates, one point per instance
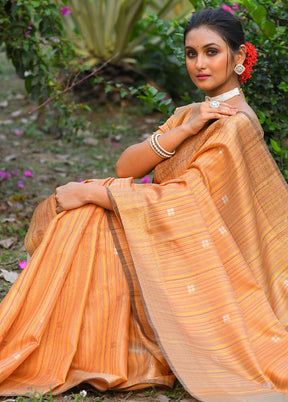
(246, 115)
(242, 123)
(246, 109)
(191, 107)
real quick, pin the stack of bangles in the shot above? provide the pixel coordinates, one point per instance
(160, 151)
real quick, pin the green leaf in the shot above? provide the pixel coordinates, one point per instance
(275, 146)
(28, 84)
(284, 86)
(123, 93)
(152, 91)
(269, 28)
(259, 14)
(108, 89)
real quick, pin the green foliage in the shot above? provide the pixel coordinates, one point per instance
(159, 100)
(162, 55)
(266, 27)
(280, 156)
(31, 33)
(104, 27)
(33, 37)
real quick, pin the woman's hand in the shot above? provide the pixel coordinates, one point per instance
(75, 195)
(70, 196)
(204, 113)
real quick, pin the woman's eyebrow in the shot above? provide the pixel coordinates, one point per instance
(208, 44)
(211, 44)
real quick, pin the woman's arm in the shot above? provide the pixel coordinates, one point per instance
(140, 159)
(74, 195)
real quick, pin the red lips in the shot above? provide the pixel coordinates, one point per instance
(202, 76)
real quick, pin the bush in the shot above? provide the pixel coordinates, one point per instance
(162, 58)
(31, 33)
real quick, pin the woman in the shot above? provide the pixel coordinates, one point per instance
(129, 285)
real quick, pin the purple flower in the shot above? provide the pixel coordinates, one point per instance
(145, 180)
(65, 10)
(19, 133)
(227, 8)
(15, 172)
(235, 6)
(27, 173)
(27, 33)
(22, 264)
(5, 175)
(115, 144)
(20, 184)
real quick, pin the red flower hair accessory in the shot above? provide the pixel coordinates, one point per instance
(250, 60)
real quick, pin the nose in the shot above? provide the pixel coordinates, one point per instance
(200, 62)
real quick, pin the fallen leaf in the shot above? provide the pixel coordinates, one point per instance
(9, 276)
(150, 121)
(59, 169)
(7, 243)
(84, 133)
(9, 158)
(19, 96)
(4, 103)
(163, 398)
(3, 220)
(90, 141)
(6, 122)
(16, 113)
(64, 157)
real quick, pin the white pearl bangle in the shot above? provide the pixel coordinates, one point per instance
(158, 149)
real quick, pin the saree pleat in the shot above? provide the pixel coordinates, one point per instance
(73, 323)
(189, 274)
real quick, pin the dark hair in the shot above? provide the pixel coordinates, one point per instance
(223, 22)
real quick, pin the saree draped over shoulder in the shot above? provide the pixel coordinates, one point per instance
(188, 277)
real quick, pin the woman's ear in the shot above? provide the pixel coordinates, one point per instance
(241, 55)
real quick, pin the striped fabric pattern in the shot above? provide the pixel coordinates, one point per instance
(68, 317)
(209, 242)
(191, 270)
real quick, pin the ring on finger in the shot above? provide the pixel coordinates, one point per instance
(214, 104)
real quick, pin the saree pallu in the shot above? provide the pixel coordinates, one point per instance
(192, 270)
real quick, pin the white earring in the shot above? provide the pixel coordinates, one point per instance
(239, 69)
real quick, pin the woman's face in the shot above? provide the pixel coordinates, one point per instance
(209, 61)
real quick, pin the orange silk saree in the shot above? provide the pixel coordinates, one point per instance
(188, 277)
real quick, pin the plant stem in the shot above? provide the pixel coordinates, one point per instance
(75, 83)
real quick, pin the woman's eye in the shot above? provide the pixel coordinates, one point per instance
(190, 54)
(212, 52)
